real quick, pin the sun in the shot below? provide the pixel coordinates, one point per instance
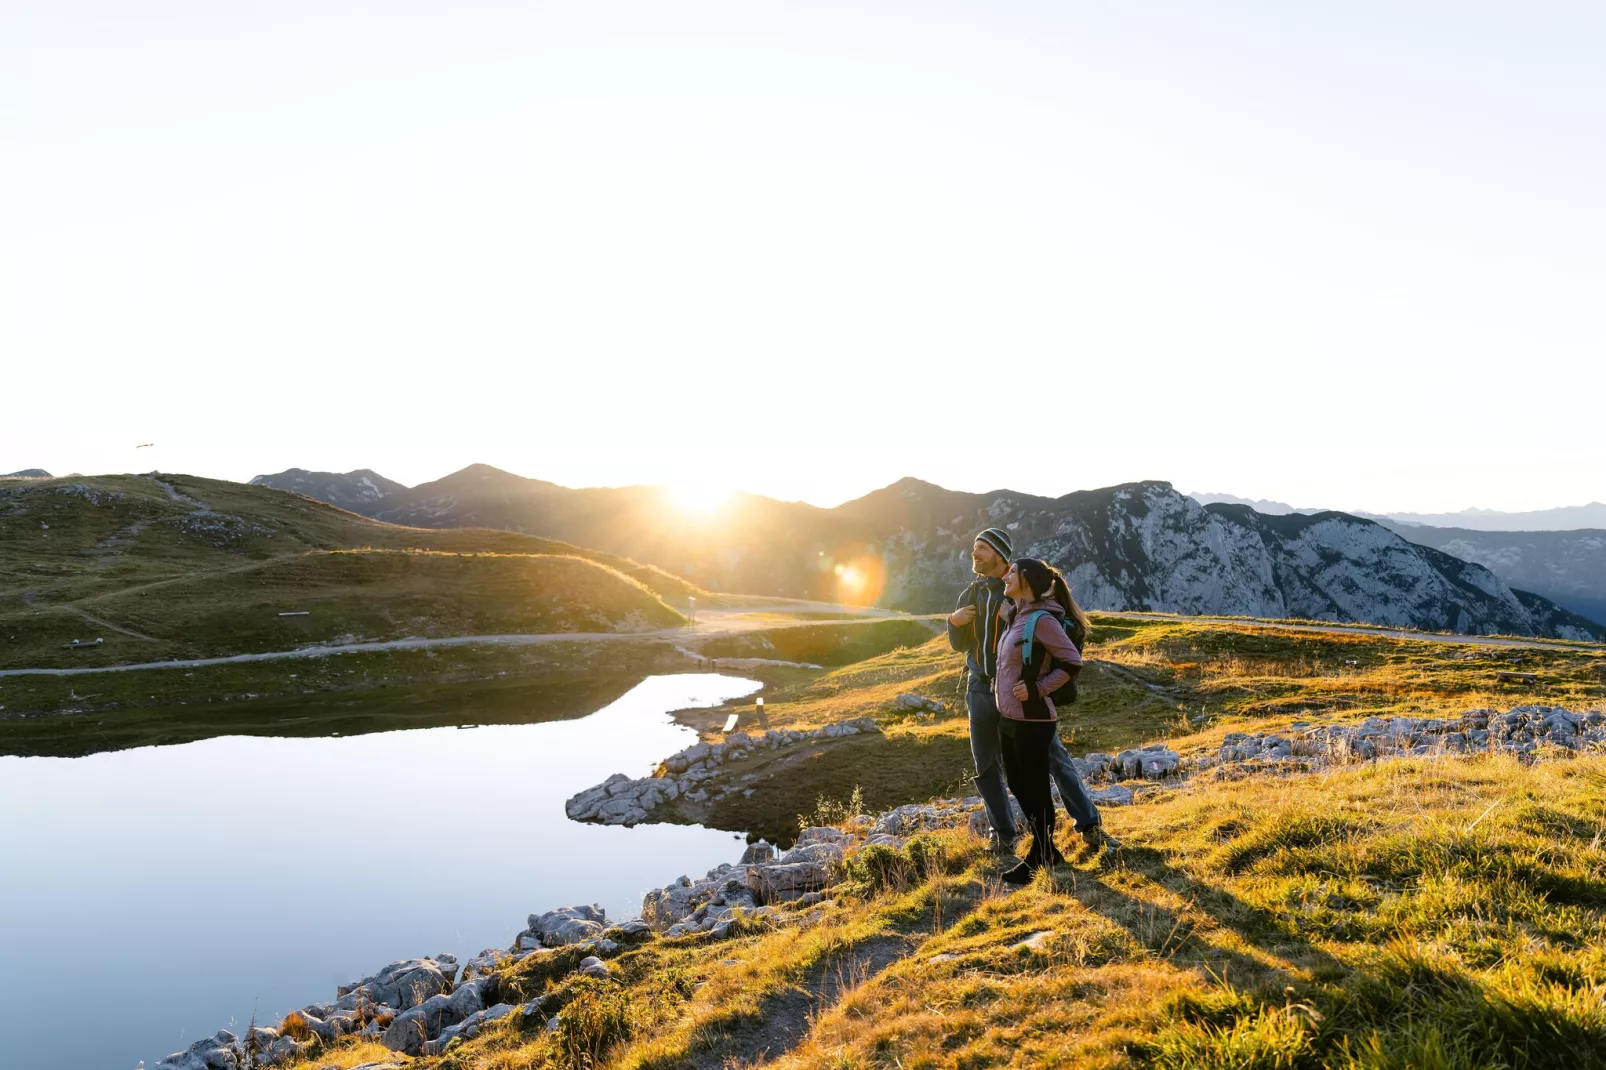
(698, 497)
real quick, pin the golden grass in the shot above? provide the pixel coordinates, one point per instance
(1453, 911)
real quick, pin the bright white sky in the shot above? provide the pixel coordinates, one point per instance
(1351, 257)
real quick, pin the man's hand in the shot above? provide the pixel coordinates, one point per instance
(1020, 691)
(962, 616)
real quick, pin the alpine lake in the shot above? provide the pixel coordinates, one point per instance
(252, 858)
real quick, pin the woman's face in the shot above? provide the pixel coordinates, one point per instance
(1014, 587)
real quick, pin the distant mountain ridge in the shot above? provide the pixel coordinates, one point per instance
(349, 490)
(1259, 505)
(1139, 546)
(28, 473)
(1565, 518)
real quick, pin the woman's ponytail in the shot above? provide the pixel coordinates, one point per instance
(1078, 627)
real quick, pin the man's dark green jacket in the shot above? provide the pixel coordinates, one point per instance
(978, 640)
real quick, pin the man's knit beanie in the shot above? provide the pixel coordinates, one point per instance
(999, 540)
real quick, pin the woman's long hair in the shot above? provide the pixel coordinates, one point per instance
(1046, 581)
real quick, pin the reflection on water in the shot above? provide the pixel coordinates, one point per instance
(154, 895)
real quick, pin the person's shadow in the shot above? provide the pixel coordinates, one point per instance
(1248, 947)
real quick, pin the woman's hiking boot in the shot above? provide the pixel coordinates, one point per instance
(1100, 842)
(1022, 873)
(998, 845)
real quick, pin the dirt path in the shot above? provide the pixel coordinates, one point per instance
(785, 1019)
(91, 618)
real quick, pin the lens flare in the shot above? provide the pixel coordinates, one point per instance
(859, 580)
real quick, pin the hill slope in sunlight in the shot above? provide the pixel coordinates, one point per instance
(167, 566)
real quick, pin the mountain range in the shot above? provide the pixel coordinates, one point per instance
(1139, 546)
(1565, 518)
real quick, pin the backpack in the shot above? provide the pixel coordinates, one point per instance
(1035, 661)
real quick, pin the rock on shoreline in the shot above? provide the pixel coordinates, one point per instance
(419, 1006)
(619, 800)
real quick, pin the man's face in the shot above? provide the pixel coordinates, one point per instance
(984, 560)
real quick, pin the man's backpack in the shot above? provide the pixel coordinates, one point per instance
(1035, 661)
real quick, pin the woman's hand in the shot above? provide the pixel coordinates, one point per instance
(1020, 691)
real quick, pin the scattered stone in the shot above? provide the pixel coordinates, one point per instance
(409, 1030)
(591, 966)
(1114, 795)
(1035, 942)
(563, 926)
(619, 800)
(1519, 731)
(220, 1051)
(402, 984)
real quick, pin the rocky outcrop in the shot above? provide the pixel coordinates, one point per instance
(561, 927)
(1568, 567)
(1523, 731)
(1143, 546)
(410, 1030)
(402, 984)
(220, 1051)
(619, 800)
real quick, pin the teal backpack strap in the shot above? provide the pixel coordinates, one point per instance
(1029, 632)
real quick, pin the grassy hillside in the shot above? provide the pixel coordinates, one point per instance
(1413, 913)
(164, 566)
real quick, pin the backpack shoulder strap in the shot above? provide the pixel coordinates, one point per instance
(1028, 633)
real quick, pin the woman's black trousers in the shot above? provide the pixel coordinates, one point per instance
(1026, 752)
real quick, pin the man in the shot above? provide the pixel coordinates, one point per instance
(973, 629)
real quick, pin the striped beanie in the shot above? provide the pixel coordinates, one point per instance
(999, 540)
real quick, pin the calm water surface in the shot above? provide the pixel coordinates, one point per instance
(153, 896)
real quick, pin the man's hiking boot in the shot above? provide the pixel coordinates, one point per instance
(1100, 842)
(1022, 873)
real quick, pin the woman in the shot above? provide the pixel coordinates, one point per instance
(1043, 599)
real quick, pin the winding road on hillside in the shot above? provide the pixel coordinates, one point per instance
(711, 623)
(716, 622)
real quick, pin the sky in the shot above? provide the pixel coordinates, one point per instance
(1338, 254)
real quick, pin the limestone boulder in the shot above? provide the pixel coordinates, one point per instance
(408, 1031)
(567, 925)
(401, 984)
(220, 1051)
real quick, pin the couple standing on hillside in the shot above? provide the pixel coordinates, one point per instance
(1014, 675)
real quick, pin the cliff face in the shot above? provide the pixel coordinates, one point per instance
(1144, 546)
(1567, 567)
